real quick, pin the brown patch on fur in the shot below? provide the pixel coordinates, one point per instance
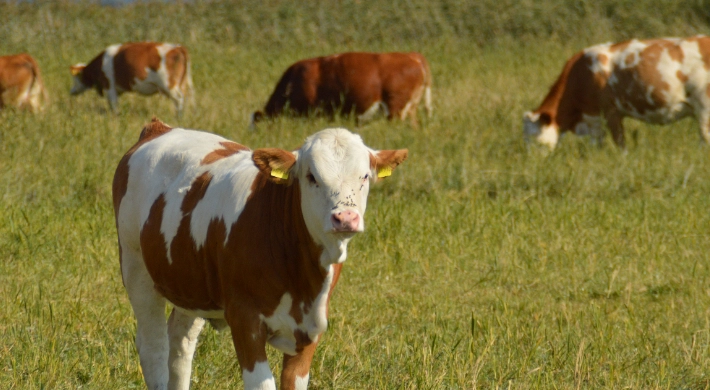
(154, 129)
(230, 148)
(176, 63)
(131, 61)
(93, 75)
(195, 193)
(603, 59)
(191, 281)
(681, 76)
(704, 47)
(618, 47)
(631, 91)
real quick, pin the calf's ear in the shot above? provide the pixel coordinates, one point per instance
(275, 163)
(383, 162)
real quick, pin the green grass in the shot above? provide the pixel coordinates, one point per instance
(484, 264)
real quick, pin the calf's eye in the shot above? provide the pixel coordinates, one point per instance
(311, 179)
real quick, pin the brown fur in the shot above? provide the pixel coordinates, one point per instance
(350, 82)
(19, 75)
(230, 148)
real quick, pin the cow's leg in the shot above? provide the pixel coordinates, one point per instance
(614, 122)
(249, 337)
(294, 375)
(183, 330)
(703, 116)
(178, 98)
(112, 96)
(371, 112)
(151, 328)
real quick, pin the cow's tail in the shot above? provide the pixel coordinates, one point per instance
(427, 85)
(186, 82)
(36, 93)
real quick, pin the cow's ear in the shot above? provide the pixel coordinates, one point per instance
(275, 163)
(77, 69)
(383, 162)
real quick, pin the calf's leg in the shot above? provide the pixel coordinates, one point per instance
(151, 328)
(295, 373)
(183, 330)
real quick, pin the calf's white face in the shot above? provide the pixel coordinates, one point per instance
(334, 169)
(334, 176)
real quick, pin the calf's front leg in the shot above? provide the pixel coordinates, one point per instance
(249, 338)
(294, 375)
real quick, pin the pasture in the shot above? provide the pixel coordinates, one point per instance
(484, 264)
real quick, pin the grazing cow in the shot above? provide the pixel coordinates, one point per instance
(250, 239)
(20, 82)
(657, 81)
(142, 67)
(361, 82)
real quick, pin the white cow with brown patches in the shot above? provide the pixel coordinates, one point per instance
(254, 239)
(142, 67)
(657, 81)
(21, 84)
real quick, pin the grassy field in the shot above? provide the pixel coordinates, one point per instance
(484, 264)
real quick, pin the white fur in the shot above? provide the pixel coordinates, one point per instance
(302, 382)
(369, 114)
(259, 379)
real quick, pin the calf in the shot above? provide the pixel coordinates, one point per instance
(142, 67)
(20, 82)
(657, 81)
(251, 239)
(361, 82)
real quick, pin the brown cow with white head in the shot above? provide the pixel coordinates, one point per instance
(142, 67)
(363, 83)
(21, 85)
(251, 238)
(657, 81)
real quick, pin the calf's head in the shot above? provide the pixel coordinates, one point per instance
(540, 127)
(333, 170)
(78, 86)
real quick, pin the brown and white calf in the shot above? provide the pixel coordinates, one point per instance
(657, 81)
(363, 83)
(142, 67)
(255, 239)
(21, 84)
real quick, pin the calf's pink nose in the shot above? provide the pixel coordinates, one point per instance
(345, 221)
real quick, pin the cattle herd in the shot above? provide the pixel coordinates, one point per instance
(254, 240)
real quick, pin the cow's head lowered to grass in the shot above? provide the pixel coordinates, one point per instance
(333, 170)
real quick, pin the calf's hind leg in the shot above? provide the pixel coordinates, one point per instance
(183, 330)
(151, 328)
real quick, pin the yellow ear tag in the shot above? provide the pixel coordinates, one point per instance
(384, 171)
(279, 173)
